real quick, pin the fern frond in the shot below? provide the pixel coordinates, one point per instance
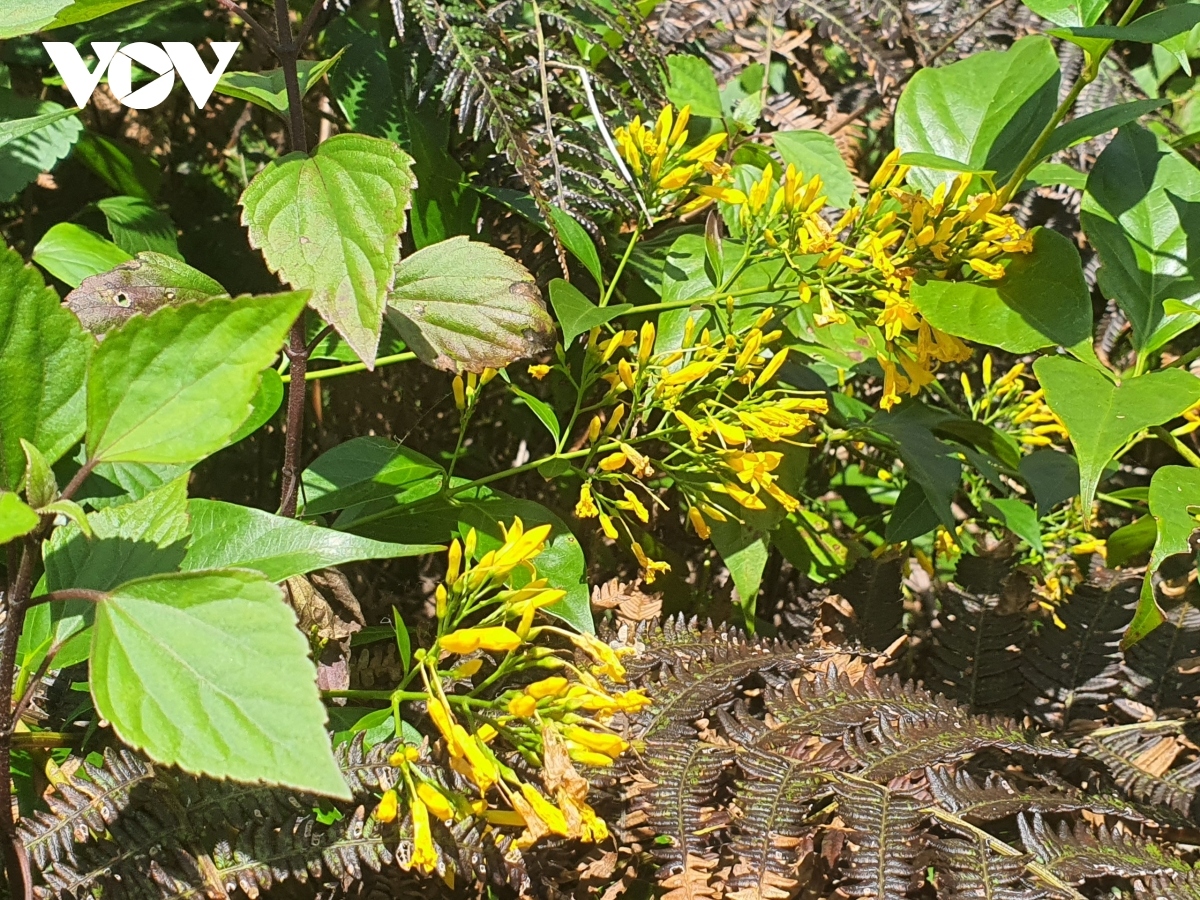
(1177, 789)
(996, 798)
(1151, 666)
(773, 796)
(82, 807)
(977, 650)
(1081, 853)
(970, 870)
(873, 589)
(883, 824)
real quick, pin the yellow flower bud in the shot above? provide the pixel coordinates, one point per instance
(646, 346)
(386, 810)
(547, 687)
(613, 462)
(698, 523)
(435, 800)
(453, 566)
(593, 431)
(522, 706)
(467, 640)
(609, 744)
(460, 396)
(607, 526)
(614, 421)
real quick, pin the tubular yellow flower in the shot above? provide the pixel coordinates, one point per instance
(467, 669)
(454, 561)
(698, 523)
(626, 372)
(651, 567)
(424, 856)
(435, 800)
(467, 640)
(443, 720)
(614, 421)
(693, 371)
(641, 464)
(522, 705)
(677, 178)
(613, 462)
(987, 269)
(730, 434)
(550, 814)
(681, 123)
(645, 343)
(697, 431)
(607, 526)
(732, 196)
(594, 427)
(609, 744)
(460, 395)
(388, 805)
(893, 384)
(771, 368)
(481, 768)
(634, 505)
(586, 507)
(539, 372)
(706, 150)
(554, 686)
(442, 601)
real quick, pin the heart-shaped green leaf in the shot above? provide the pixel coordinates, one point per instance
(207, 671)
(1101, 416)
(331, 222)
(463, 305)
(16, 519)
(984, 111)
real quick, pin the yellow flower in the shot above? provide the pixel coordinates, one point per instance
(652, 568)
(893, 384)
(424, 856)
(611, 745)
(609, 663)
(898, 314)
(453, 561)
(613, 462)
(625, 371)
(539, 372)
(743, 498)
(772, 423)
(522, 706)
(550, 815)
(586, 507)
(678, 177)
(634, 505)
(586, 756)
(607, 526)
(467, 640)
(460, 396)
(730, 434)
(697, 431)
(771, 368)
(435, 800)
(692, 372)
(987, 269)
(753, 468)
(386, 810)
(519, 548)
(706, 150)
(918, 375)
(547, 687)
(641, 465)
(442, 718)
(698, 523)
(732, 196)
(480, 767)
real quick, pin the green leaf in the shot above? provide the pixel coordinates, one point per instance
(576, 313)
(16, 519)
(573, 235)
(930, 462)
(1174, 496)
(41, 487)
(1130, 541)
(43, 357)
(1017, 517)
(17, 128)
(1099, 122)
(1069, 12)
(1001, 446)
(137, 225)
(1101, 416)
(37, 15)
(265, 403)
(331, 222)
(119, 164)
(268, 89)
(207, 671)
(1043, 300)
(464, 305)
(25, 156)
(140, 285)
(71, 511)
(1052, 476)
(912, 517)
(144, 537)
(153, 379)
(744, 552)
(226, 535)
(942, 164)
(366, 469)
(403, 641)
(1049, 174)
(540, 408)
(693, 84)
(1151, 28)
(1141, 206)
(984, 111)
(72, 253)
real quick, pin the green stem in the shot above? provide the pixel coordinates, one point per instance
(612, 285)
(401, 697)
(1086, 77)
(1177, 445)
(321, 374)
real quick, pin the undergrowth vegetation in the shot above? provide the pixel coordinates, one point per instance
(381, 438)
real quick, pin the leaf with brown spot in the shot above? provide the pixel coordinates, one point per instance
(461, 305)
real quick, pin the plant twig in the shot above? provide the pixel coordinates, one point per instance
(260, 32)
(350, 368)
(1177, 445)
(310, 21)
(67, 594)
(16, 866)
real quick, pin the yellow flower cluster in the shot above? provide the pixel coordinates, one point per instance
(716, 399)
(664, 170)
(867, 260)
(555, 721)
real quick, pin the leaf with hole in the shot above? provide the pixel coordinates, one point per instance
(155, 377)
(331, 222)
(207, 671)
(140, 285)
(463, 305)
